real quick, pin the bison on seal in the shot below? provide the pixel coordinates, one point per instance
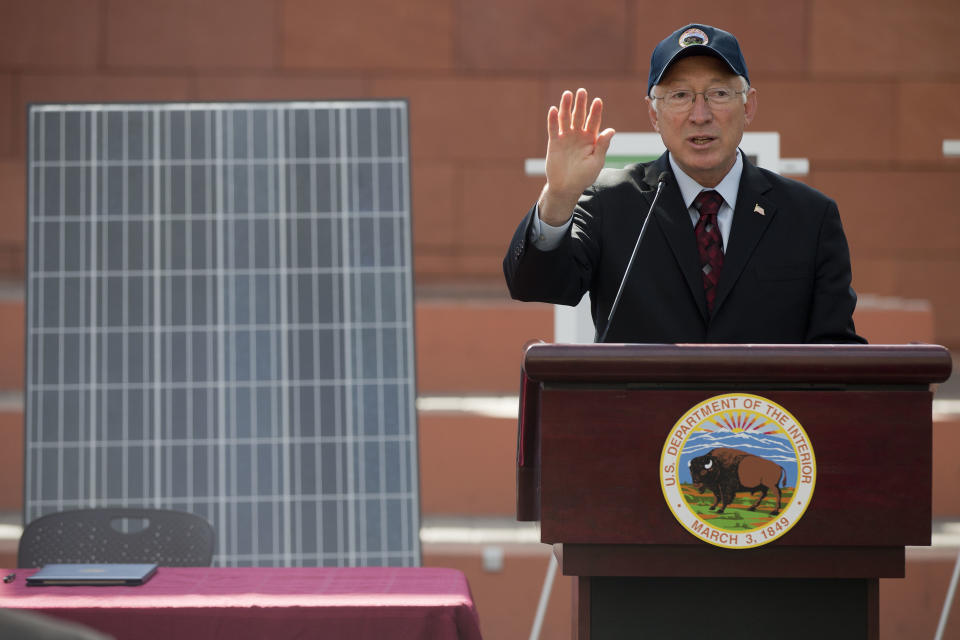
(727, 471)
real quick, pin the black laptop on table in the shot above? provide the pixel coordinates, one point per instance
(92, 575)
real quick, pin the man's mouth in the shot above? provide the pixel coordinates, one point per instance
(701, 140)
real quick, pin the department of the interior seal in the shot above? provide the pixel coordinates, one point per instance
(738, 471)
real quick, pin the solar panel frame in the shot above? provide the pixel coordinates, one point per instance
(210, 203)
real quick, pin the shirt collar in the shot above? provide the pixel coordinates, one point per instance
(728, 187)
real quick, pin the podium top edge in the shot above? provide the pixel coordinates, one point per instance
(698, 363)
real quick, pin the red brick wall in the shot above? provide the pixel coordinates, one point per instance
(866, 91)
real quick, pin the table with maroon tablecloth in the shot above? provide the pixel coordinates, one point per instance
(276, 603)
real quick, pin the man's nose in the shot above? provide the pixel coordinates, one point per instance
(700, 111)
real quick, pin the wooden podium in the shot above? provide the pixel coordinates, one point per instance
(594, 420)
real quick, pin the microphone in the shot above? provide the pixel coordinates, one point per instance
(662, 179)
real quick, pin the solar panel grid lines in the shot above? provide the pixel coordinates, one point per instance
(161, 305)
(220, 318)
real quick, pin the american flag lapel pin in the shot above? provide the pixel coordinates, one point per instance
(758, 209)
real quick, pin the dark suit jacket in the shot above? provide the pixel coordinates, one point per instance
(785, 279)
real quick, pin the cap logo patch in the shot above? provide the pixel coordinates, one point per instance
(693, 36)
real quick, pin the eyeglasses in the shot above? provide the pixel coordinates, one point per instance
(683, 99)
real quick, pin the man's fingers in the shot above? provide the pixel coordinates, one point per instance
(572, 115)
(553, 122)
(593, 120)
(603, 141)
(580, 109)
(566, 103)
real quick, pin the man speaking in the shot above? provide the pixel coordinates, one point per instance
(731, 253)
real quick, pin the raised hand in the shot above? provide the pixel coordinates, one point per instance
(576, 150)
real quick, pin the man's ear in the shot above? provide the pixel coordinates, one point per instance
(652, 112)
(751, 106)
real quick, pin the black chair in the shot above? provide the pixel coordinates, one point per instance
(168, 538)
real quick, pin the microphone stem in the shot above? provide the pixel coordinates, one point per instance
(633, 256)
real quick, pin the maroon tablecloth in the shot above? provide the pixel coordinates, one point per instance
(275, 603)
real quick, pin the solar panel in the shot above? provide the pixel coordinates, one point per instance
(220, 320)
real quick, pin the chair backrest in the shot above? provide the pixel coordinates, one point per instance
(168, 538)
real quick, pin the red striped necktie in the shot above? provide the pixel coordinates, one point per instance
(709, 242)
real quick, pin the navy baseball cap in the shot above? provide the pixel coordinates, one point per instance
(696, 40)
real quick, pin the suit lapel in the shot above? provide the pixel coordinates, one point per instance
(674, 221)
(748, 226)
